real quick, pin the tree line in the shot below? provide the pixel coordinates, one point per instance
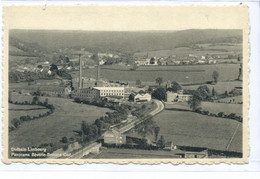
(35, 101)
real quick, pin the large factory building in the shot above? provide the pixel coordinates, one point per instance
(96, 91)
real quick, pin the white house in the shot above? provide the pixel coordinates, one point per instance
(144, 97)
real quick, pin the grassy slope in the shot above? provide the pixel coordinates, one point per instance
(66, 118)
(220, 87)
(16, 111)
(192, 129)
(222, 107)
(182, 74)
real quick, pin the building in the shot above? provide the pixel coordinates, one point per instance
(113, 136)
(142, 62)
(178, 97)
(86, 93)
(110, 91)
(143, 97)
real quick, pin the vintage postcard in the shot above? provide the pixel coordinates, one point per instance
(126, 84)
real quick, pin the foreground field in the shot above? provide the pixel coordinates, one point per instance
(182, 74)
(222, 107)
(112, 153)
(192, 129)
(66, 118)
(16, 111)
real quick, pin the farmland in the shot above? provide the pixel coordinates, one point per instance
(235, 99)
(16, 111)
(66, 118)
(220, 87)
(121, 153)
(222, 107)
(192, 129)
(211, 49)
(182, 74)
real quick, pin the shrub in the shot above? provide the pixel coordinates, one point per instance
(64, 140)
(65, 147)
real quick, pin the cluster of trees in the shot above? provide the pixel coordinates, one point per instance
(90, 132)
(203, 93)
(16, 122)
(221, 114)
(28, 76)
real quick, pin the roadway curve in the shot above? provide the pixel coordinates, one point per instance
(160, 107)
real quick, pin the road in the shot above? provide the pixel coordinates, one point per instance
(159, 108)
(133, 123)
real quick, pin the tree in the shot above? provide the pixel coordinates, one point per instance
(175, 86)
(204, 92)
(161, 142)
(138, 82)
(152, 60)
(156, 132)
(214, 93)
(131, 97)
(159, 93)
(64, 140)
(159, 80)
(215, 76)
(35, 99)
(54, 68)
(195, 101)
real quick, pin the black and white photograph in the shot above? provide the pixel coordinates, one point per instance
(126, 94)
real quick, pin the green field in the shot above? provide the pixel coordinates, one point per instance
(181, 74)
(222, 107)
(211, 49)
(220, 87)
(66, 118)
(237, 99)
(117, 153)
(16, 111)
(192, 129)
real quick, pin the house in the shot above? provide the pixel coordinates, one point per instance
(168, 146)
(201, 61)
(143, 97)
(142, 62)
(113, 136)
(178, 97)
(101, 62)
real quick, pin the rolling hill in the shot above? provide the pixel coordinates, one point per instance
(113, 41)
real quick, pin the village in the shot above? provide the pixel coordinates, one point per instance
(116, 103)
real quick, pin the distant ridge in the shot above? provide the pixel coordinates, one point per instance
(102, 41)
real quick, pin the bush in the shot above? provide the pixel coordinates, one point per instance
(64, 140)
(65, 147)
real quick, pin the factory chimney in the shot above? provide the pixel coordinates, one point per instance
(98, 72)
(80, 73)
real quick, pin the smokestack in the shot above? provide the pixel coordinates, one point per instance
(80, 73)
(98, 72)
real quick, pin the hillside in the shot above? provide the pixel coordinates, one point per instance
(122, 41)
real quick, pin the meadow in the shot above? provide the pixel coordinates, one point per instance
(16, 111)
(220, 87)
(211, 49)
(67, 117)
(237, 99)
(192, 129)
(215, 108)
(181, 74)
(120, 153)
